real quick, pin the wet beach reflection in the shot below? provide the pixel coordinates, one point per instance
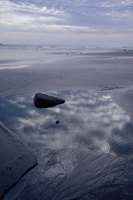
(87, 121)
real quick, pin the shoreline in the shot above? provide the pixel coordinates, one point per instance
(101, 72)
(42, 71)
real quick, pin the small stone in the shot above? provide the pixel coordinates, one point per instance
(57, 122)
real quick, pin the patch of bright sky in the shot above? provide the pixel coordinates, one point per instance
(67, 19)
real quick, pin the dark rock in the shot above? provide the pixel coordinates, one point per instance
(46, 101)
(57, 122)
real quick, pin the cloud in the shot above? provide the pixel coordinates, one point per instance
(61, 16)
(88, 120)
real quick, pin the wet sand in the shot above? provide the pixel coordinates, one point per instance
(23, 71)
(28, 71)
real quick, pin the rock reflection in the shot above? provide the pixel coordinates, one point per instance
(88, 120)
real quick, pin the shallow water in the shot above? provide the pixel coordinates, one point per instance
(87, 120)
(90, 149)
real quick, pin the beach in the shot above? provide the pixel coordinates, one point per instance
(64, 69)
(92, 144)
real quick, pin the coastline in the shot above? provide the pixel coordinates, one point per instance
(28, 71)
(45, 70)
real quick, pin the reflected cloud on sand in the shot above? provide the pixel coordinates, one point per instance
(87, 121)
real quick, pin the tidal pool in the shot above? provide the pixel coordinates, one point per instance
(86, 155)
(87, 120)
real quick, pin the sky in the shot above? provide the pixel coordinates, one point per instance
(66, 22)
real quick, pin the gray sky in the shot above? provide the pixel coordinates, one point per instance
(66, 21)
